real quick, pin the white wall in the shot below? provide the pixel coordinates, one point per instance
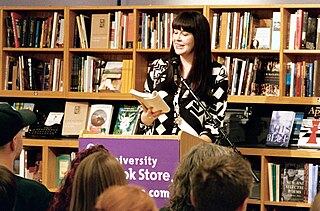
(146, 2)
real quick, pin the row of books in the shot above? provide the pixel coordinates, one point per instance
(29, 165)
(94, 74)
(97, 118)
(155, 31)
(35, 32)
(236, 30)
(252, 76)
(109, 30)
(295, 182)
(295, 128)
(28, 73)
(304, 31)
(302, 79)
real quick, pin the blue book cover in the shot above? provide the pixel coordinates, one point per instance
(280, 128)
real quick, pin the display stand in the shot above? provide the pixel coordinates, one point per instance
(149, 161)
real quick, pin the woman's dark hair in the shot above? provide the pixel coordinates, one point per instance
(195, 23)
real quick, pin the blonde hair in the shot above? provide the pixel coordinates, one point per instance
(94, 174)
(125, 198)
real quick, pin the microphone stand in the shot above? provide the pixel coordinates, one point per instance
(216, 122)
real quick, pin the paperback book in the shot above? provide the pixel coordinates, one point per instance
(149, 100)
(280, 128)
(126, 120)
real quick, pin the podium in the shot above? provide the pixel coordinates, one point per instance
(149, 161)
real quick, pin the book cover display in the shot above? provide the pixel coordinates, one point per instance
(280, 128)
(309, 136)
(100, 118)
(293, 182)
(126, 120)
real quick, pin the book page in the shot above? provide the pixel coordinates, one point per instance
(151, 100)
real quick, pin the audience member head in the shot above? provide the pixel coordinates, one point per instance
(62, 197)
(94, 174)
(180, 188)
(11, 125)
(316, 203)
(8, 189)
(221, 183)
(125, 198)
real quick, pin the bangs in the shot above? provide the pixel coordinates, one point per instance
(184, 21)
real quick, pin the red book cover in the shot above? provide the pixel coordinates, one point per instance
(16, 23)
(298, 37)
(298, 79)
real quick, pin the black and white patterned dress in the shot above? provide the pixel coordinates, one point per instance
(185, 113)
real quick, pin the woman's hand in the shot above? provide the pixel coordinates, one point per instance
(147, 116)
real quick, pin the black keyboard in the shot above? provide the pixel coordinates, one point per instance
(45, 132)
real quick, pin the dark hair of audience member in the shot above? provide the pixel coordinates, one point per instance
(8, 189)
(61, 199)
(94, 174)
(125, 198)
(222, 183)
(180, 188)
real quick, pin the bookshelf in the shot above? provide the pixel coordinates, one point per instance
(140, 58)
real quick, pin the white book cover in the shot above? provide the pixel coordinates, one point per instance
(214, 31)
(275, 40)
(292, 31)
(100, 117)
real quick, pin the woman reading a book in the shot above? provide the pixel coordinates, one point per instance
(189, 66)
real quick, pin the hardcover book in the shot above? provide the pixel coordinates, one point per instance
(100, 117)
(100, 30)
(280, 128)
(127, 120)
(309, 136)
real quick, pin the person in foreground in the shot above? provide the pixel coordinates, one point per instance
(190, 50)
(221, 183)
(31, 195)
(61, 199)
(8, 189)
(94, 174)
(180, 187)
(125, 198)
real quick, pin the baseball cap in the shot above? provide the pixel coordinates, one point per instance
(12, 121)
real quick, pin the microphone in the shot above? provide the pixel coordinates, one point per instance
(175, 62)
(217, 123)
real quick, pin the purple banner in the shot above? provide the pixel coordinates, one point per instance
(149, 163)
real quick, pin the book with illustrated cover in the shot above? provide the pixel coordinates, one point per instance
(100, 117)
(153, 100)
(126, 120)
(309, 136)
(293, 182)
(111, 76)
(280, 128)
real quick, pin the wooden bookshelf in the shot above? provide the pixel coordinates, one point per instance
(140, 58)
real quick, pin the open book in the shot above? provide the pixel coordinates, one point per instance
(151, 100)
